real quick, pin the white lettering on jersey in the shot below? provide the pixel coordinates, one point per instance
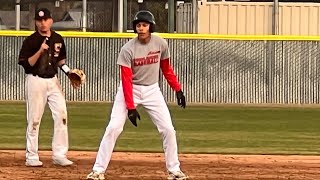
(57, 47)
(146, 60)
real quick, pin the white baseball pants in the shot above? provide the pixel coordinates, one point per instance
(39, 91)
(151, 98)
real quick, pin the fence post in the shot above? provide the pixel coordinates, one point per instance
(275, 19)
(17, 15)
(120, 15)
(194, 16)
(171, 7)
(125, 15)
(84, 15)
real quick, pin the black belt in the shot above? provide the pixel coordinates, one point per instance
(138, 84)
(44, 76)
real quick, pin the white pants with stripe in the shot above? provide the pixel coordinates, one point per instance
(39, 92)
(151, 98)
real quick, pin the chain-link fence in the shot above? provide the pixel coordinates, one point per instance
(210, 71)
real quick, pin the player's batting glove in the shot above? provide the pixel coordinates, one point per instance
(133, 115)
(181, 99)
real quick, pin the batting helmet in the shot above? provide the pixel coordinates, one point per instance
(144, 16)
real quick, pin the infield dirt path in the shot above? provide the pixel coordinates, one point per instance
(152, 166)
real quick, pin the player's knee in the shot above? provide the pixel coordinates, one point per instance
(63, 113)
(34, 124)
(169, 132)
(64, 121)
(114, 128)
(33, 127)
(60, 119)
(113, 131)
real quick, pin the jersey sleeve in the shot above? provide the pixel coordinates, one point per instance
(124, 58)
(126, 79)
(166, 68)
(169, 74)
(165, 54)
(25, 53)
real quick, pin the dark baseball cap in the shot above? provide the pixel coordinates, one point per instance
(42, 13)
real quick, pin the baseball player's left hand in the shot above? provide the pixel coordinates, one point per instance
(133, 115)
(181, 99)
(77, 77)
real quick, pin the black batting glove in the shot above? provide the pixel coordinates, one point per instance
(181, 99)
(133, 115)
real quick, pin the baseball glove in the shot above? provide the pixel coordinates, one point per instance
(77, 77)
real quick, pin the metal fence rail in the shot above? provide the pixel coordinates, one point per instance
(211, 71)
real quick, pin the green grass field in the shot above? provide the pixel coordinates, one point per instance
(200, 129)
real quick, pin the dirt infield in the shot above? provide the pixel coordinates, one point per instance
(151, 166)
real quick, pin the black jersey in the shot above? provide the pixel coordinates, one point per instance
(47, 65)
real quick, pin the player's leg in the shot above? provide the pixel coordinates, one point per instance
(156, 106)
(36, 98)
(57, 105)
(115, 127)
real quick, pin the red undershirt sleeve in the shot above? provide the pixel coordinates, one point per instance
(168, 73)
(126, 79)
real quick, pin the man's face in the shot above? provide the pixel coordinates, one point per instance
(44, 25)
(143, 29)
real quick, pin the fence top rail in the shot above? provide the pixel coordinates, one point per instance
(173, 36)
(240, 3)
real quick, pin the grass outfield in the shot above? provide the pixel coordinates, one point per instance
(200, 129)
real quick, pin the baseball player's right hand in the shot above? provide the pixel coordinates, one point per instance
(133, 115)
(181, 99)
(44, 46)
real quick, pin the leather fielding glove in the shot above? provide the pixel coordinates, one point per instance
(133, 115)
(77, 77)
(181, 99)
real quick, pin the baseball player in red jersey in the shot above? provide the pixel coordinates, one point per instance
(40, 56)
(140, 61)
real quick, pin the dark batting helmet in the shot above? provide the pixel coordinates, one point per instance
(144, 16)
